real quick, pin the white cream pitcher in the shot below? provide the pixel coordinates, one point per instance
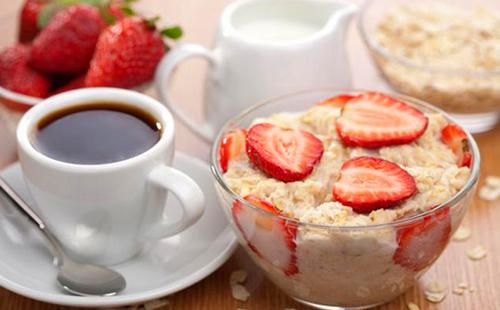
(264, 48)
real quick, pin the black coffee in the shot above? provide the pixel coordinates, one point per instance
(97, 133)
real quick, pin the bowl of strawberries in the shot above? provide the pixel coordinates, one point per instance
(52, 46)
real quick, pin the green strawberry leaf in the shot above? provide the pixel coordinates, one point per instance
(174, 32)
(127, 10)
(47, 13)
(55, 6)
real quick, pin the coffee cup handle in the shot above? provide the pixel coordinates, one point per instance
(164, 72)
(189, 194)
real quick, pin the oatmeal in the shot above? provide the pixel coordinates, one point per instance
(327, 166)
(443, 37)
(428, 160)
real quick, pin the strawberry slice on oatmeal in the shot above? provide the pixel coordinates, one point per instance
(373, 120)
(269, 237)
(370, 183)
(421, 243)
(284, 154)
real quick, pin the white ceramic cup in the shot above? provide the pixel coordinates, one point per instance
(104, 213)
(248, 67)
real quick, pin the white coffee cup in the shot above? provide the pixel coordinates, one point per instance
(264, 48)
(103, 213)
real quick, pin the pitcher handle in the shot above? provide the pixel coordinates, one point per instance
(162, 78)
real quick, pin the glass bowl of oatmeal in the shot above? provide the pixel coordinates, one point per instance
(444, 52)
(312, 245)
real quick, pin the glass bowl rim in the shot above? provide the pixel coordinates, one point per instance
(452, 201)
(373, 45)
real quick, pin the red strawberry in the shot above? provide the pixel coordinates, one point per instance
(126, 55)
(373, 120)
(284, 154)
(231, 146)
(67, 43)
(455, 137)
(336, 101)
(370, 183)
(269, 237)
(28, 19)
(16, 75)
(76, 83)
(421, 243)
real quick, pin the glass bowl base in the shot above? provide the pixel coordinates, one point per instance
(327, 307)
(478, 122)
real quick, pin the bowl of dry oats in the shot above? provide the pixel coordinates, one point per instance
(444, 52)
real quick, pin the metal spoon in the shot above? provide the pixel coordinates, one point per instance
(76, 278)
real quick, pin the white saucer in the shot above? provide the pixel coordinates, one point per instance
(163, 268)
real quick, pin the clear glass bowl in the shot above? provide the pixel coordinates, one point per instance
(341, 266)
(472, 97)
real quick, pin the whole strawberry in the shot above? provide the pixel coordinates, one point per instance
(126, 55)
(16, 75)
(28, 19)
(67, 43)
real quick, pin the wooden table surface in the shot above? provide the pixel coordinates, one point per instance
(199, 18)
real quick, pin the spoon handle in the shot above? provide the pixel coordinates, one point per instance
(21, 204)
(33, 216)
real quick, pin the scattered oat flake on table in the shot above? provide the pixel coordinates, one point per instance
(462, 284)
(435, 291)
(489, 193)
(413, 306)
(458, 291)
(477, 253)
(461, 234)
(472, 289)
(435, 287)
(239, 292)
(434, 297)
(156, 304)
(238, 276)
(492, 181)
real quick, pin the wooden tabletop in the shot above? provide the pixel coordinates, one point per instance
(199, 18)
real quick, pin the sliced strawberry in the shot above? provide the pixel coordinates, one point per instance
(370, 183)
(455, 137)
(232, 145)
(336, 101)
(284, 154)
(373, 120)
(421, 243)
(269, 237)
